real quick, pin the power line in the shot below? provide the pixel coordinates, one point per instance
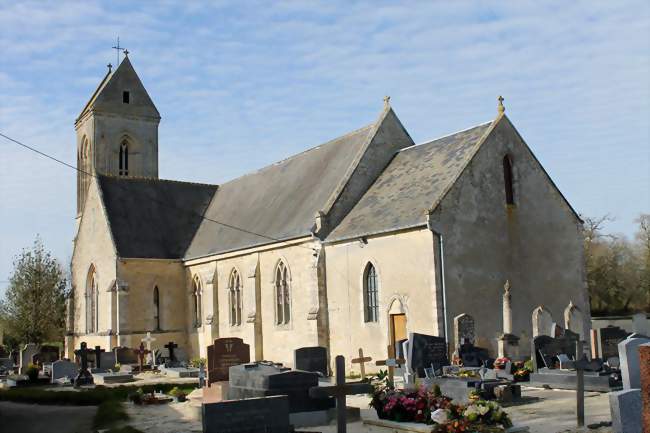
(169, 205)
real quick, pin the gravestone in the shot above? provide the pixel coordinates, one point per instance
(473, 356)
(264, 379)
(426, 351)
(84, 377)
(311, 359)
(644, 360)
(545, 349)
(628, 353)
(107, 360)
(46, 355)
(223, 354)
(26, 355)
(463, 329)
(64, 368)
(608, 339)
(542, 321)
(171, 355)
(625, 409)
(640, 324)
(125, 356)
(253, 415)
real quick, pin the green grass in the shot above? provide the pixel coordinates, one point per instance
(86, 397)
(109, 413)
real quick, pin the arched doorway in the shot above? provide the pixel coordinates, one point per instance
(397, 326)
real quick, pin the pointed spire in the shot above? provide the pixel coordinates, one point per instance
(500, 108)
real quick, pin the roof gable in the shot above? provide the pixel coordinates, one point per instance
(108, 95)
(153, 218)
(414, 181)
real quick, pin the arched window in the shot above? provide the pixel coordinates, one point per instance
(507, 179)
(370, 298)
(196, 292)
(234, 298)
(124, 158)
(92, 298)
(282, 301)
(156, 307)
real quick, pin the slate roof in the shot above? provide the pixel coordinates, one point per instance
(414, 181)
(279, 201)
(153, 218)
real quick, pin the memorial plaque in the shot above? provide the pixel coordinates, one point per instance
(252, 415)
(311, 359)
(426, 351)
(223, 354)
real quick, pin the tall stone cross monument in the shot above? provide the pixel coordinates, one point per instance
(508, 342)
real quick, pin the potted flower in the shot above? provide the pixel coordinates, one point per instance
(32, 372)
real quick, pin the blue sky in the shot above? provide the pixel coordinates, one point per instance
(242, 84)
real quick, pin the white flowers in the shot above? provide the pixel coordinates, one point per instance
(440, 416)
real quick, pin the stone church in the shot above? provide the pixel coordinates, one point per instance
(350, 244)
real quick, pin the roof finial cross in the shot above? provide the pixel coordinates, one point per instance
(126, 53)
(500, 108)
(386, 100)
(118, 48)
(109, 66)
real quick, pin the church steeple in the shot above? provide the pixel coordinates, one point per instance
(117, 130)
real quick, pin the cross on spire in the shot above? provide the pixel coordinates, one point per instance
(120, 49)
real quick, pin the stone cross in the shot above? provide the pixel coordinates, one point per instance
(361, 360)
(148, 340)
(340, 391)
(84, 377)
(391, 363)
(171, 346)
(141, 352)
(507, 309)
(500, 108)
(98, 356)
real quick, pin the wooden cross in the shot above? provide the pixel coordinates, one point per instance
(141, 352)
(391, 362)
(149, 339)
(171, 346)
(98, 359)
(340, 391)
(362, 363)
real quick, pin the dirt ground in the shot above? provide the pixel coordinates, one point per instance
(32, 418)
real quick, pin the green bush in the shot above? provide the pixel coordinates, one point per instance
(89, 397)
(197, 362)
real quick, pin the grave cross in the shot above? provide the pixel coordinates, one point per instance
(141, 352)
(361, 360)
(98, 356)
(391, 363)
(148, 340)
(340, 391)
(171, 346)
(84, 376)
(580, 364)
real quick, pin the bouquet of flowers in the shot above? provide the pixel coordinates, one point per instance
(500, 363)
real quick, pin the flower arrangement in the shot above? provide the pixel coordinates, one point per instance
(500, 363)
(427, 406)
(522, 371)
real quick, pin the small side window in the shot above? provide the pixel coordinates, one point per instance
(126, 97)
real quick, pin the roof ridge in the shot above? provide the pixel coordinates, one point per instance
(445, 136)
(154, 179)
(356, 131)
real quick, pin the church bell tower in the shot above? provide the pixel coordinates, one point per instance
(117, 131)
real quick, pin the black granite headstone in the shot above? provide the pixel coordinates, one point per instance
(311, 359)
(473, 356)
(263, 379)
(545, 349)
(426, 351)
(608, 339)
(253, 415)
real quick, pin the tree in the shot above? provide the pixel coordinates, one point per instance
(33, 310)
(643, 237)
